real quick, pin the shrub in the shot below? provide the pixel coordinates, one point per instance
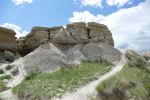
(97, 60)
(137, 62)
(1, 71)
(3, 86)
(5, 77)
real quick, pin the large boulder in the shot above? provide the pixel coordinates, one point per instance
(7, 40)
(9, 56)
(45, 58)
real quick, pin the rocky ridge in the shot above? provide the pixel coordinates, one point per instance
(73, 34)
(59, 47)
(46, 49)
(7, 43)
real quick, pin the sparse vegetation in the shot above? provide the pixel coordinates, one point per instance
(5, 77)
(9, 67)
(1, 71)
(134, 79)
(17, 55)
(56, 83)
(3, 86)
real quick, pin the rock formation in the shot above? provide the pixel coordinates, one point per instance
(73, 34)
(7, 43)
(7, 40)
(59, 47)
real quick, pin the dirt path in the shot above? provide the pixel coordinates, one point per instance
(88, 91)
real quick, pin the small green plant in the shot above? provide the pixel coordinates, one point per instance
(17, 55)
(5, 77)
(98, 60)
(3, 86)
(1, 71)
(31, 76)
(137, 62)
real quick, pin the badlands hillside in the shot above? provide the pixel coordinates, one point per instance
(76, 62)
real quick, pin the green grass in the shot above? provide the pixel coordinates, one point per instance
(1, 71)
(5, 77)
(134, 80)
(60, 81)
(3, 86)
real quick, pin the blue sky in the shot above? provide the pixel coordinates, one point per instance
(121, 16)
(48, 12)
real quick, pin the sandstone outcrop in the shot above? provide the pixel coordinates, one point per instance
(60, 47)
(8, 44)
(74, 33)
(7, 40)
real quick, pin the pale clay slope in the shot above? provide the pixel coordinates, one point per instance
(88, 91)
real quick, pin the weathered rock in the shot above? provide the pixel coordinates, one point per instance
(131, 55)
(45, 58)
(101, 50)
(135, 60)
(35, 38)
(60, 47)
(146, 55)
(49, 56)
(7, 40)
(75, 55)
(2, 57)
(9, 56)
(100, 33)
(61, 36)
(75, 33)
(15, 71)
(78, 31)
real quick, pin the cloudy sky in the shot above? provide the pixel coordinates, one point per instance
(129, 20)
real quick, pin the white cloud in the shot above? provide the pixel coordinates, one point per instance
(20, 2)
(97, 3)
(17, 29)
(130, 27)
(118, 3)
(92, 3)
(85, 16)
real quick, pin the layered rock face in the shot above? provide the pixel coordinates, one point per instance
(7, 40)
(74, 33)
(61, 47)
(7, 43)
